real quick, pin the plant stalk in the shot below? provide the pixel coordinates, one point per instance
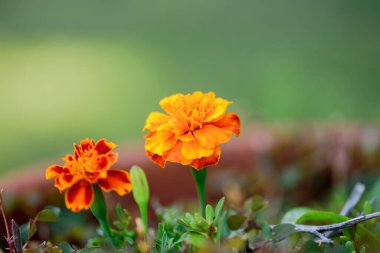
(8, 238)
(317, 230)
(200, 177)
(99, 209)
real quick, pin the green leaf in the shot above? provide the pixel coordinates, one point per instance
(219, 208)
(294, 214)
(282, 231)
(209, 214)
(350, 247)
(197, 239)
(66, 247)
(367, 207)
(49, 214)
(92, 250)
(257, 203)
(320, 218)
(27, 230)
(374, 196)
(235, 222)
(199, 223)
(164, 239)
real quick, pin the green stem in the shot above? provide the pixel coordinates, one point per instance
(200, 181)
(99, 209)
(144, 216)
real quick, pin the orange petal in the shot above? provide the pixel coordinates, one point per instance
(156, 119)
(209, 136)
(79, 196)
(117, 180)
(157, 159)
(160, 142)
(53, 171)
(168, 103)
(230, 122)
(175, 155)
(103, 147)
(186, 137)
(194, 150)
(207, 161)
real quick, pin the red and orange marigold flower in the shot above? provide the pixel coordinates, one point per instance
(191, 131)
(90, 164)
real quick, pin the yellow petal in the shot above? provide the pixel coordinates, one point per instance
(169, 103)
(194, 150)
(156, 119)
(219, 110)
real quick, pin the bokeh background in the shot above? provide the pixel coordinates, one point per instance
(70, 70)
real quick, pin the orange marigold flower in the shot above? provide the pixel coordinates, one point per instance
(90, 164)
(191, 131)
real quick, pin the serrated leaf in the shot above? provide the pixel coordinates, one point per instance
(219, 208)
(209, 214)
(282, 231)
(320, 218)
(294, 214)
(50, 214)
(235, 222)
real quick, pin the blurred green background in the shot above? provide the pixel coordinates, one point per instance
(76, 69)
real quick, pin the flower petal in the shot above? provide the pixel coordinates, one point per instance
(79, 196)
(160, 142)
(207, 161)
(65, 180)
(175, 155)
(156, 119)
(186, 137)
(53, 171)
(194, 150)
(230, 122)
(117, 180)
(104, 162)
(210, 136)
(157, 159)
(219, 110)
(103, 147)
(169, 103)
